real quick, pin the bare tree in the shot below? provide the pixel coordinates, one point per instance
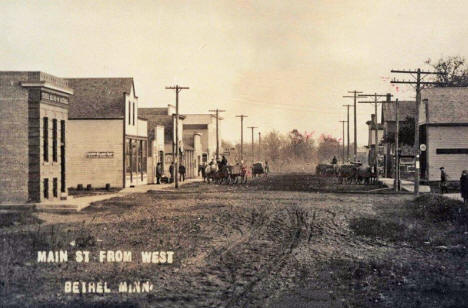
(454, 69)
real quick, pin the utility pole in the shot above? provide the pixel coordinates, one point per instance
(177, 89)
(375, 102)
(242, 116)
(355, 93)
(417, 84)
(253, 144)
(259, 146)
(342, 155)
(217, 111)
(397, 148)
(347, 149)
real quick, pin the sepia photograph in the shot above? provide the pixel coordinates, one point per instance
(234, 153)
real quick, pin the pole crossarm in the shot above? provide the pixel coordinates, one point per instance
(417, 71)
(415, 82)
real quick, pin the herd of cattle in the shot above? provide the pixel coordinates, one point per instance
(348, 173)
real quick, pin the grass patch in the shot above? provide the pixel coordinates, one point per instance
(376, 228)
(9, 219)
(438, 208)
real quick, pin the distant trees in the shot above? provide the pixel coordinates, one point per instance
(327, 148)
(454, 69)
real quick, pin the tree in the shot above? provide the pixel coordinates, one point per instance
(328, 147)
(454, 69)
(272, 144)
(300, 146)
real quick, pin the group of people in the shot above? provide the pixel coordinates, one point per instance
(160, 172)
(463, 183)
(201, 169)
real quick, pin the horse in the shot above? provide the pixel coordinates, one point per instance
(210, 172)
(238, 171)
(364, 174)
(346, 174)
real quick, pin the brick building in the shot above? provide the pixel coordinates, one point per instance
(443, 128)
(107, 139)
(34, 108)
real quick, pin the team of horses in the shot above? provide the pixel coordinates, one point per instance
(348, 173)
(225, 175)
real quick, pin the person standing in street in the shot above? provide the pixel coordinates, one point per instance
(159, 173)
(464, 186)
(443, 181)
(171, 171)
(182, 172)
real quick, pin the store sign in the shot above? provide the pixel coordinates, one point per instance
(100, 155)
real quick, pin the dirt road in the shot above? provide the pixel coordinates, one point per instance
(242, 246)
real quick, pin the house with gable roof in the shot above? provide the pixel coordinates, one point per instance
(107, 138)
(443, 128)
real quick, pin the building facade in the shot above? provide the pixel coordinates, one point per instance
(189, 143)
(406, 116)
(373, 145)
(33, 127)
(108, 139)
(205, 126)
(443, 128)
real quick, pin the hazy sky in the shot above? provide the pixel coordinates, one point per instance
(286, 64)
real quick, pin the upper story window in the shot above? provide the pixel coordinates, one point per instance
(133, 113)
(129, 113)
(45, 138)
(54, 140)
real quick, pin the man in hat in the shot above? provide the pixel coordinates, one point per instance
(443, 181)
(159, 173)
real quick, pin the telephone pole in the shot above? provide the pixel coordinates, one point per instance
(355, 94)
(347, 149)
(342, 155)
(217, 111)
(376, 122)
(253, 144)
(259, 145)
(417, 84)
(177, 89)
(397, 148)
(242, 116)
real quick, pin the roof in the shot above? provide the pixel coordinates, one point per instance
(154, 118)
(405, 109)
(99, 97)
(445, 105)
